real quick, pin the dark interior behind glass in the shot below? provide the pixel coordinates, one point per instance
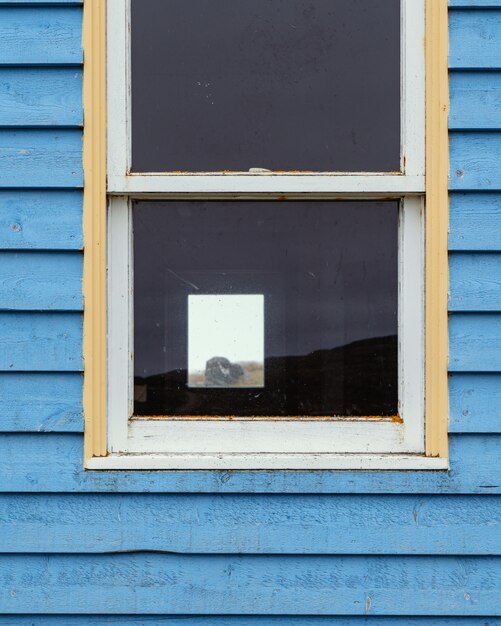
(328, 275)
(275, 84)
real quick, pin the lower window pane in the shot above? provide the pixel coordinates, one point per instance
(276, 308)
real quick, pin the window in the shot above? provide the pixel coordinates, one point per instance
(265, 259)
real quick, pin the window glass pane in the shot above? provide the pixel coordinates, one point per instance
(277, 84)
(277, 308)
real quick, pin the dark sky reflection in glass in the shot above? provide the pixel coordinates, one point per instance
(327, 272)
(277, 84)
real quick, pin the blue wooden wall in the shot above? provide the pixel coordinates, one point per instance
(231, 548)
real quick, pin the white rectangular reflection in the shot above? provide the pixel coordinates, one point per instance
(226, 340)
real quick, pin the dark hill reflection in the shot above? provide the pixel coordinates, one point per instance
(353, 380)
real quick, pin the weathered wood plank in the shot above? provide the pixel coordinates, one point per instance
(41, 36)
(475, 100)
(474, 4)
(323, 585)
(41, 220)
(259, 524)
(43, 2)
(40, 342)
(475, 403)
(475, 342)
(24, 467)
(40, 96)
(475, 165)
(41, 281)
(474, 221)
(475, 282)
(243, 620)
(475, 39)
(39, 402)
(41, 158)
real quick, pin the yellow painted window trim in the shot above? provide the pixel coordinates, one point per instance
(94, 225)
(437, 221)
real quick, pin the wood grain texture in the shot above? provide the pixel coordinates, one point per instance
(41, 281)
(24, 468)
(475, 342)
(474, 221)
(474, 161)
(475, 282)
(475, 4)
(241, 620)
(475, 100)
(41, 158)
(40, 96)
(475, 403)
(94, 229)
(41, 220)
(40, 342)
(436, 232)
(475, 39)
(29, 3)
(323, 585)
(41, 402)
(224, 524)
(41, 36)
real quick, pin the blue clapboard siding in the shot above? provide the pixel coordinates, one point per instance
(475, 342)
(40, 96)
(468, 4)
(41, 158)
(242, 620)
(475, 403)
(40, 2)
(41, 402)
(474, 39)
(262, 620)
(474, 282)
(40, 341)
(350, 545)
(474, 221)
(251, 524)
(41, 36)
(474, 161)
(41, 281)
(225, 584)
(41, 220)
(24, 467)
(475, 100)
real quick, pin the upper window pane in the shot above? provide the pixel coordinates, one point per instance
(310, 85)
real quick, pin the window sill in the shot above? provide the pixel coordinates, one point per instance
(384, 462)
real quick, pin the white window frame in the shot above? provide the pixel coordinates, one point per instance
(266, 443)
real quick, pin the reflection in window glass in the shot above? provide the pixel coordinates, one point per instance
(231, 326)
(275, 84)
(314, 285)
